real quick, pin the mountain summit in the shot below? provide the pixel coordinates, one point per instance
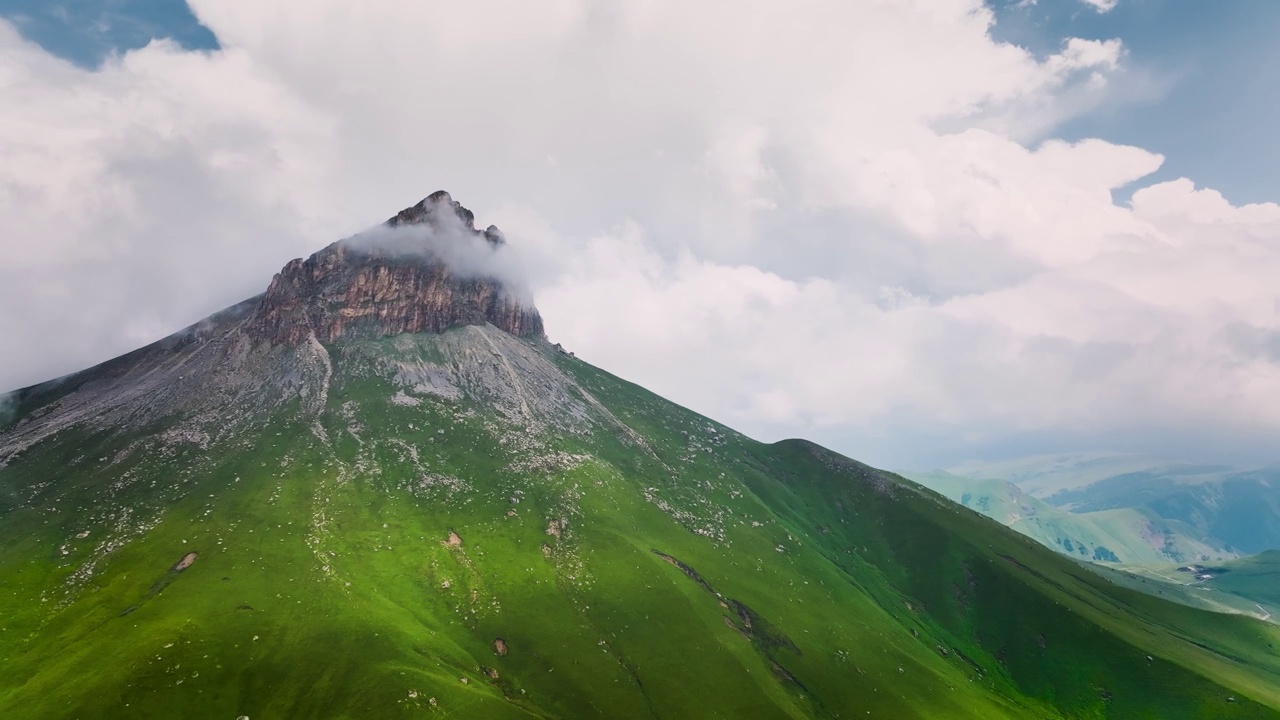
(393, 280)
(376, 491)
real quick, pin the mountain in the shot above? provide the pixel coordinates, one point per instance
(376, 284)
(1219, 506)
(1241, 508)
(1115, 535)
(377, 491)
(1044, 475)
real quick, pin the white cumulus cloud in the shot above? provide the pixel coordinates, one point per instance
(842, 220)
(1101, 6)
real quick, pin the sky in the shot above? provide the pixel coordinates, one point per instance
(916, 231)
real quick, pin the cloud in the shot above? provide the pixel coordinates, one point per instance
(8, 407)
(448, 239)
(1101, 6)
(847, 221)
(1145, 334)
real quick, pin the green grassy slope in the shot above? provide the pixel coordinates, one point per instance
(1256, 577)
(440, 531)
(1248, 585)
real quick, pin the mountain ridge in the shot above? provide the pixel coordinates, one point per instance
(472, 522)
(1116, 535)
(1206, 512)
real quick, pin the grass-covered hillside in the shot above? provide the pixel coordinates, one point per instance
(472, 525)
(1248, 585)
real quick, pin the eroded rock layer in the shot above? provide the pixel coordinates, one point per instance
(363, 287)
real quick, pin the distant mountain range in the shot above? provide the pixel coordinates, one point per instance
(1122, 508)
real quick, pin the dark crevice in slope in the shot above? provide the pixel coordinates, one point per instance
(754, 627)
(648, 701)
(762, 634)
(163, 582)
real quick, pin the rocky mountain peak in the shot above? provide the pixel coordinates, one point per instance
(395, 279)
(441, 212)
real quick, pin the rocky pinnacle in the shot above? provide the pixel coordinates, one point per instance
(360, 289)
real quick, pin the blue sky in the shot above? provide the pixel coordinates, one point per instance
(86, 31)
(1213, 67)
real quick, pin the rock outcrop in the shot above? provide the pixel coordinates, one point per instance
(393, 280)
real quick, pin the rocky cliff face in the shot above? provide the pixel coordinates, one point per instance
(393, 280)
